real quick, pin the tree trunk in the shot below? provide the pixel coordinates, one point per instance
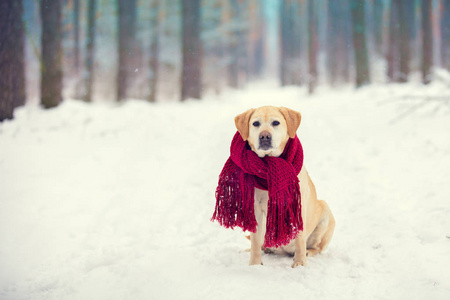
(233, 67)
(404, 45)
(296, 41)
(218, 50)
(313, 46)
(76, 27)
(212, 15)
(258, 27)
(347, 52)
(191, 80)
(12, 69)
(90, 50)
(258, 55)
(332, 41)
(411, 27)
(359, 42)
(284, 44)
(290, 44)
(238, 68)
(51, 65)
(154, 52)
(126, 45)
(242, 58)
(427, 41)
(339, 41)
(378, 10)
(392, 54)
(445, 35)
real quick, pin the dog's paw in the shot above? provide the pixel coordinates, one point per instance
(311, 252)
(268, 251)
(255, 261)
(296, 264)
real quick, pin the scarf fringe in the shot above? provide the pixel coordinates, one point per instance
(286, 222)
(231, 208)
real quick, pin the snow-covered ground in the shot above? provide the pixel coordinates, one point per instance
(111, 201)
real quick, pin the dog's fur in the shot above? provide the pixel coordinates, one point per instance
(275, 126)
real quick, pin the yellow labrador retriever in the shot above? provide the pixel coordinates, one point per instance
(267, 130)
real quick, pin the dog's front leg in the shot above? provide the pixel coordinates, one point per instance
(255, 250)
(257, 238)
(300, 250)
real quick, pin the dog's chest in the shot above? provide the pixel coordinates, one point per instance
(260, 207)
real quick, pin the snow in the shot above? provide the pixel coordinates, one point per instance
(106, 201)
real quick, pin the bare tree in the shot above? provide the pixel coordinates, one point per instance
(76, 29)
(215, 38)
(392, 53)
(378, 11)
(313, 46)
(357, 8)
(154, 52)
(90, 50)
(51, 64)
(191, 80)
(126, 45)
(257, 39)
(427, 41)
(339, 38)
(404, 45)
(242, 36)
(233, 67)
(445, 34)
(12, 69)
(289, 43)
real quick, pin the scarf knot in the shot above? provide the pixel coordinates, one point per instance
(242, 172)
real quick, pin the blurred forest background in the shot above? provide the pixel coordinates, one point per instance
(171, 50)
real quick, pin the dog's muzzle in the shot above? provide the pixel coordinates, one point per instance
(265, 140)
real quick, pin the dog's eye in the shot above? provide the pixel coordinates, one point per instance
(275, 123)
(256, 124)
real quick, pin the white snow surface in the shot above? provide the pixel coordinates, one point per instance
(107, 201)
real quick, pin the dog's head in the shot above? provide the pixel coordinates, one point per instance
(267, 129)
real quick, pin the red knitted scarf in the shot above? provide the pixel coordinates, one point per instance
(244, 171)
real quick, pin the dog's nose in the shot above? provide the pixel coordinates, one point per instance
(265, 136)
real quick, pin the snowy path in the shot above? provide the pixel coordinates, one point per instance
(108, 202)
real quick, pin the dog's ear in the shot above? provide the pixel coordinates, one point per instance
(241, 122)
(293, 119)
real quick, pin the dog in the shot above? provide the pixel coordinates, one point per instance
(267, 130)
